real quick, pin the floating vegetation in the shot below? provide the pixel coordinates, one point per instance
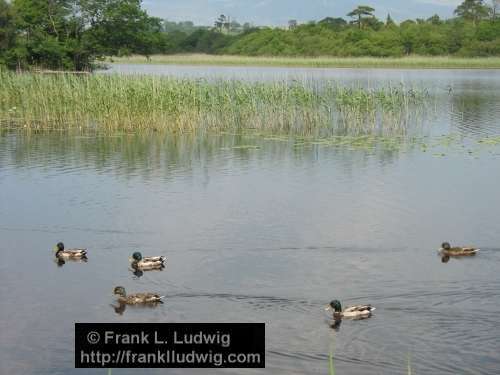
(490, 141)
(246, 147)
(135, 103)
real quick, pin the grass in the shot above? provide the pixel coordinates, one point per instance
(410, 62)
(115, 102)
(331, 367)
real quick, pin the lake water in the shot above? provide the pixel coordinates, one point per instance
(267, 234)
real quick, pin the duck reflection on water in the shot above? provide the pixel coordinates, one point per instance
(61, 262)
(139, 273)
(120, 307)
(335, 324)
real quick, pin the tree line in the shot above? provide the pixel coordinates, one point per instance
(474, 32)
(74, 34)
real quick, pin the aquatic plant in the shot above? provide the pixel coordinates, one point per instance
(114, 102)
(490, 141)
(331, 367)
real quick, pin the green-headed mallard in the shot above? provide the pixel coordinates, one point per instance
(136, 298)
(60, 252)
(446, 249)
(147, 263)
(358, 311)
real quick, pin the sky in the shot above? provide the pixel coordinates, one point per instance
(278, 12)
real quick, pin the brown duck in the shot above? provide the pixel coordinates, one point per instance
(61, 252)
(136, 298)
(446, 249)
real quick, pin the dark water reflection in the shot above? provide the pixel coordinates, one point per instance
(263, 234)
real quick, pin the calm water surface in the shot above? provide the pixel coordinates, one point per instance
(269, 234)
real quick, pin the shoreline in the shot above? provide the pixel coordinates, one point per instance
(412, 62)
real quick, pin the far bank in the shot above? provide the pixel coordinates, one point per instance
(410, 62)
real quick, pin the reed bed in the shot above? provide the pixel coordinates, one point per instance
(116, 102)
(407, 62)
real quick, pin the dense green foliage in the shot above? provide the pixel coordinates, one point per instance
(457, 36)
(475, 31)
(74, 34)
(71, 34)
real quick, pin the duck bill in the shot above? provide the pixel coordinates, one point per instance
(328, 308)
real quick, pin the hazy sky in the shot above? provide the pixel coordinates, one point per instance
(278, 12)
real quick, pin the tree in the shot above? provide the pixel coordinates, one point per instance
(71, 34)
(359, 12)
(389, 21)
(119, 27)
(235, 26)
(435, 20)
(494, 8)
(472, 10)
(247, 26)
(6, 26)
(45, 32)
(334, 23)
(222, 23)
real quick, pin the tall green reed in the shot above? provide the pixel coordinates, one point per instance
(117, 102)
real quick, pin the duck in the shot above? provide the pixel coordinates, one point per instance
(446, 249)
(147, 263)
(357, 311)
(136, 298)
(61, 252)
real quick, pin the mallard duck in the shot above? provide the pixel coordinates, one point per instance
(446, 249)
(60, 252)
(147, 263)
(358, 311)
(136, 298)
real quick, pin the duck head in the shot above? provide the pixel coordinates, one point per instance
(120, 290)
(58, 248)
(335, 306)
(137, 256)
(445, 246)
